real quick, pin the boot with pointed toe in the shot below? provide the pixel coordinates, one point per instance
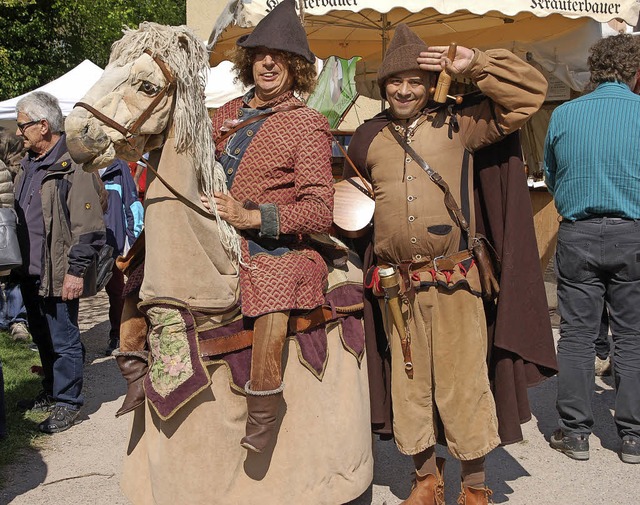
(262, 418)
(133, 366)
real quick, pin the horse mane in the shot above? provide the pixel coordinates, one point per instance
(188, 61)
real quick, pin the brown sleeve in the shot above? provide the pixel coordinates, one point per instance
(515, 90)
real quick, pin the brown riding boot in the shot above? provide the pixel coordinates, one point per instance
(428, 490)
(475, 496)
(262, 416)
(133, 367)
(264, 389)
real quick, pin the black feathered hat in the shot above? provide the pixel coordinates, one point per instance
(281, 30)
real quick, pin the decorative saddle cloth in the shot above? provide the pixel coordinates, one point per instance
(184, 340)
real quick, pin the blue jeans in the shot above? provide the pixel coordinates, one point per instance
(53, 324)
(12, 308)
(3, 412)
(598, 259)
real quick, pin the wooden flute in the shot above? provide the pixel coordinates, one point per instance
(441, 92)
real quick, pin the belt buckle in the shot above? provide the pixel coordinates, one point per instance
(435, 262)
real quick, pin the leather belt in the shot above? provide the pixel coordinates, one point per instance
(442, 262)
(297, 324)
(229, 343)
(319, 316)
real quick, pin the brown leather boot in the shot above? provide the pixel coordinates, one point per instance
(133, 367)
(262, 416)
(428, 490)
(475, 496)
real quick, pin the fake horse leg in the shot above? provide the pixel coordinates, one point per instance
(264, 389)
(132, 357)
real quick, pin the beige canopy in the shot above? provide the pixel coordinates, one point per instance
(348, 28)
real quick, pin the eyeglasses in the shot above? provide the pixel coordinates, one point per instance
(23, 126)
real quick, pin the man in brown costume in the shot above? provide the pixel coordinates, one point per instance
(414, 229)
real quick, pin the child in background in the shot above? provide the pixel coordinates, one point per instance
(124, 221)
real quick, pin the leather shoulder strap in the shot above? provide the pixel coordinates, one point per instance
(449, 200)
(254, 119)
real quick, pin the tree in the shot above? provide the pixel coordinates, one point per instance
(43, 39)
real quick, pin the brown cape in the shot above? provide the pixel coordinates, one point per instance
(521, 347)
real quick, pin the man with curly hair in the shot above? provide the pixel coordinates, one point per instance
(591, 167)
(277, 156)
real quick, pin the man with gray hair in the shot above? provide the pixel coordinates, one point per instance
(60, 229)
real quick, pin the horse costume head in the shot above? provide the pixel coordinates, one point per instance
(154, 81)
(152, 88)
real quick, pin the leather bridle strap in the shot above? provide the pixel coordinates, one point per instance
(130, 133)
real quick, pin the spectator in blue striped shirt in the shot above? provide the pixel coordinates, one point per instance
(592, 168)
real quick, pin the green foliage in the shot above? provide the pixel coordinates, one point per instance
(43, 39)
(19, 383)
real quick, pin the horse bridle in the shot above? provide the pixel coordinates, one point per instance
(132, 132)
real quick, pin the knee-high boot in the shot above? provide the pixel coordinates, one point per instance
(264, 389)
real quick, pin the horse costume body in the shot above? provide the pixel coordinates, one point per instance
(184, 445)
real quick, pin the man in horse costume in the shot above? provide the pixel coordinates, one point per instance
(423, 252)
(206, 388)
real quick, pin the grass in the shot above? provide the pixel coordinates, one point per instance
(19, 382)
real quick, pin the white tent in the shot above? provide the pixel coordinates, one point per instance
(553, 34)
(221, 86)
(68, 89)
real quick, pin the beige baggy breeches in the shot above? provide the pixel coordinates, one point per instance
(450, 379)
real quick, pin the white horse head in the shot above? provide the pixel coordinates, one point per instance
(141, 67)
(152, 92)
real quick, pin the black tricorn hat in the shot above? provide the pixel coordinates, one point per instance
(281, 30)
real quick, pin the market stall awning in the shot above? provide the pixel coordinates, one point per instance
(348, 28)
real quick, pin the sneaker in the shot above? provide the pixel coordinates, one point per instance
(574, 446)
(41, 403)
(19, 331)
(603, 366)
(61, 419)
(630, 451)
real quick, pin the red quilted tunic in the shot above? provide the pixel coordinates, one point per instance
(287, 163)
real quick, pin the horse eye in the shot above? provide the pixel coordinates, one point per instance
(148, 88)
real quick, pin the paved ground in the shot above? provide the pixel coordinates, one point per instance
(82, 466)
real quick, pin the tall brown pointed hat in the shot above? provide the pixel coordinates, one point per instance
(401, 55)
(280, 29)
